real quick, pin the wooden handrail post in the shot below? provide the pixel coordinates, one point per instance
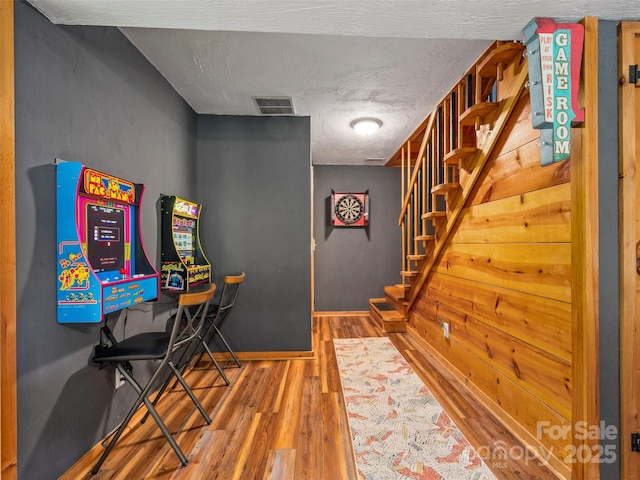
(415, 218)
(402, 173)
(423, 186)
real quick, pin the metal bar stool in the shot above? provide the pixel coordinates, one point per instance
(158, 346)
(216, 316)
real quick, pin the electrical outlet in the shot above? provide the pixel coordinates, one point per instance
(445, 329)
(119, 380)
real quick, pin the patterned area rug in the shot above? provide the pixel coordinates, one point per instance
(398, 429)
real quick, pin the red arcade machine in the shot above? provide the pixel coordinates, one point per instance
(102, 265)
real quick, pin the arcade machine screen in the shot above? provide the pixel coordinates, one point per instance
(183, 238)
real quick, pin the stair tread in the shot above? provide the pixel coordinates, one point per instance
(425, 238)
(391, 315)
(408, 273)
(396, 290)
(480, 110)
(445, 187)
(397, 295)
(503, 54)
(429, 215)
(454, 157)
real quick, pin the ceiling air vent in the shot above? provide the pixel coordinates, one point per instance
(274, 105)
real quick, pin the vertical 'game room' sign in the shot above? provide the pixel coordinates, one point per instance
(555, 56)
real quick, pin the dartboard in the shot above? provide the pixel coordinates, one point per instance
(349, 209)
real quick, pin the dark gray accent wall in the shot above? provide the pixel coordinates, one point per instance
(352, 264)
(254, 180)
(608, 229)
(82, 94)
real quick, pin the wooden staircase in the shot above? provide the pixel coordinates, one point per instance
(441, 162)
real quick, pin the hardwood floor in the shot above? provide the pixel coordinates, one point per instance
(285, 419)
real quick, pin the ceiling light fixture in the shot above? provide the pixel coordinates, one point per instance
(366, 126)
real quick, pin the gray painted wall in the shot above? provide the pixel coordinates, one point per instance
(353, 265)
(254, 179)
(82, 94)
(609, 251)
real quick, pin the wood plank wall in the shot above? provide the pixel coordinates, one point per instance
(8, 439)
(585, 261)
(629, 148)
(503, 283)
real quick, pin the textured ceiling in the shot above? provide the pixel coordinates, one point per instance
(337, 60)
